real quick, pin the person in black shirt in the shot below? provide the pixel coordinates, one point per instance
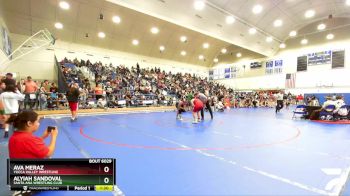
(9, 80)
(73, 100)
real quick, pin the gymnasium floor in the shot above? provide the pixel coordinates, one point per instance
(240, 152)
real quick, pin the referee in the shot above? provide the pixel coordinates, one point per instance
(205, 101)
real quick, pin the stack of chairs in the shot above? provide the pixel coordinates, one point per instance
(300, 111)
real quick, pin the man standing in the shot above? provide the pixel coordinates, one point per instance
(279, 98)
(9, 80)
(30, 92)
(205, 101)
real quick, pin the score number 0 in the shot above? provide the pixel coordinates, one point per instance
(106, 170)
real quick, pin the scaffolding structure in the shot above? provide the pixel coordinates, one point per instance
(40, 39)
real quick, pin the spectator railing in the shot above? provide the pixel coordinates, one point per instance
(58, 101)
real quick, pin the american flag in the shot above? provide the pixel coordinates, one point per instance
(290, 80)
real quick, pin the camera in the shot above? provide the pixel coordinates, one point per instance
(50, 128)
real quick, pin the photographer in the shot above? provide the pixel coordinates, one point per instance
(23, 144)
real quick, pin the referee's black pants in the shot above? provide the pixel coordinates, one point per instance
(210, 111)
(279, 105)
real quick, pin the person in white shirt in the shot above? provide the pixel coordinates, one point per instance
(338, 103)
(10, 106)
(328, 102)
(220, 106)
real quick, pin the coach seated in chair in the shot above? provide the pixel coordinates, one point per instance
(339, 102)
(340, 112)
(315, 114)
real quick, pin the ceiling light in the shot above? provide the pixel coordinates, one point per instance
(330, 36)
(154, 30)
(183, 39)
(101, 35)
(58, 25)
(348, 2)
(135, 42)
(278, 23)
(116, 19)
(205, 45)
(304, 41)
(309, 13)
(199, 5)
(223, 51)
(200, 57)
(257, 9)
(216, 60)
(238, 55)
(321, 26)
(269, 39)
(282, 45)
(183, 53)
(293, 33)
(64, 5)
(252, 31)
(161, 48)
(230, 19)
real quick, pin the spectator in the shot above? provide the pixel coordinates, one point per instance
(46, 86)
(30, 90)
(98, 91)
(9, 100)
(9, 79)
(23, 144)
(2, 86)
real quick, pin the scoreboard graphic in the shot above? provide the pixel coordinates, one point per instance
(94, 174)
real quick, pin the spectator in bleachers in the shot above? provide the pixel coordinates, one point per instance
(43, 97)
(98, 92)
(46, 86)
